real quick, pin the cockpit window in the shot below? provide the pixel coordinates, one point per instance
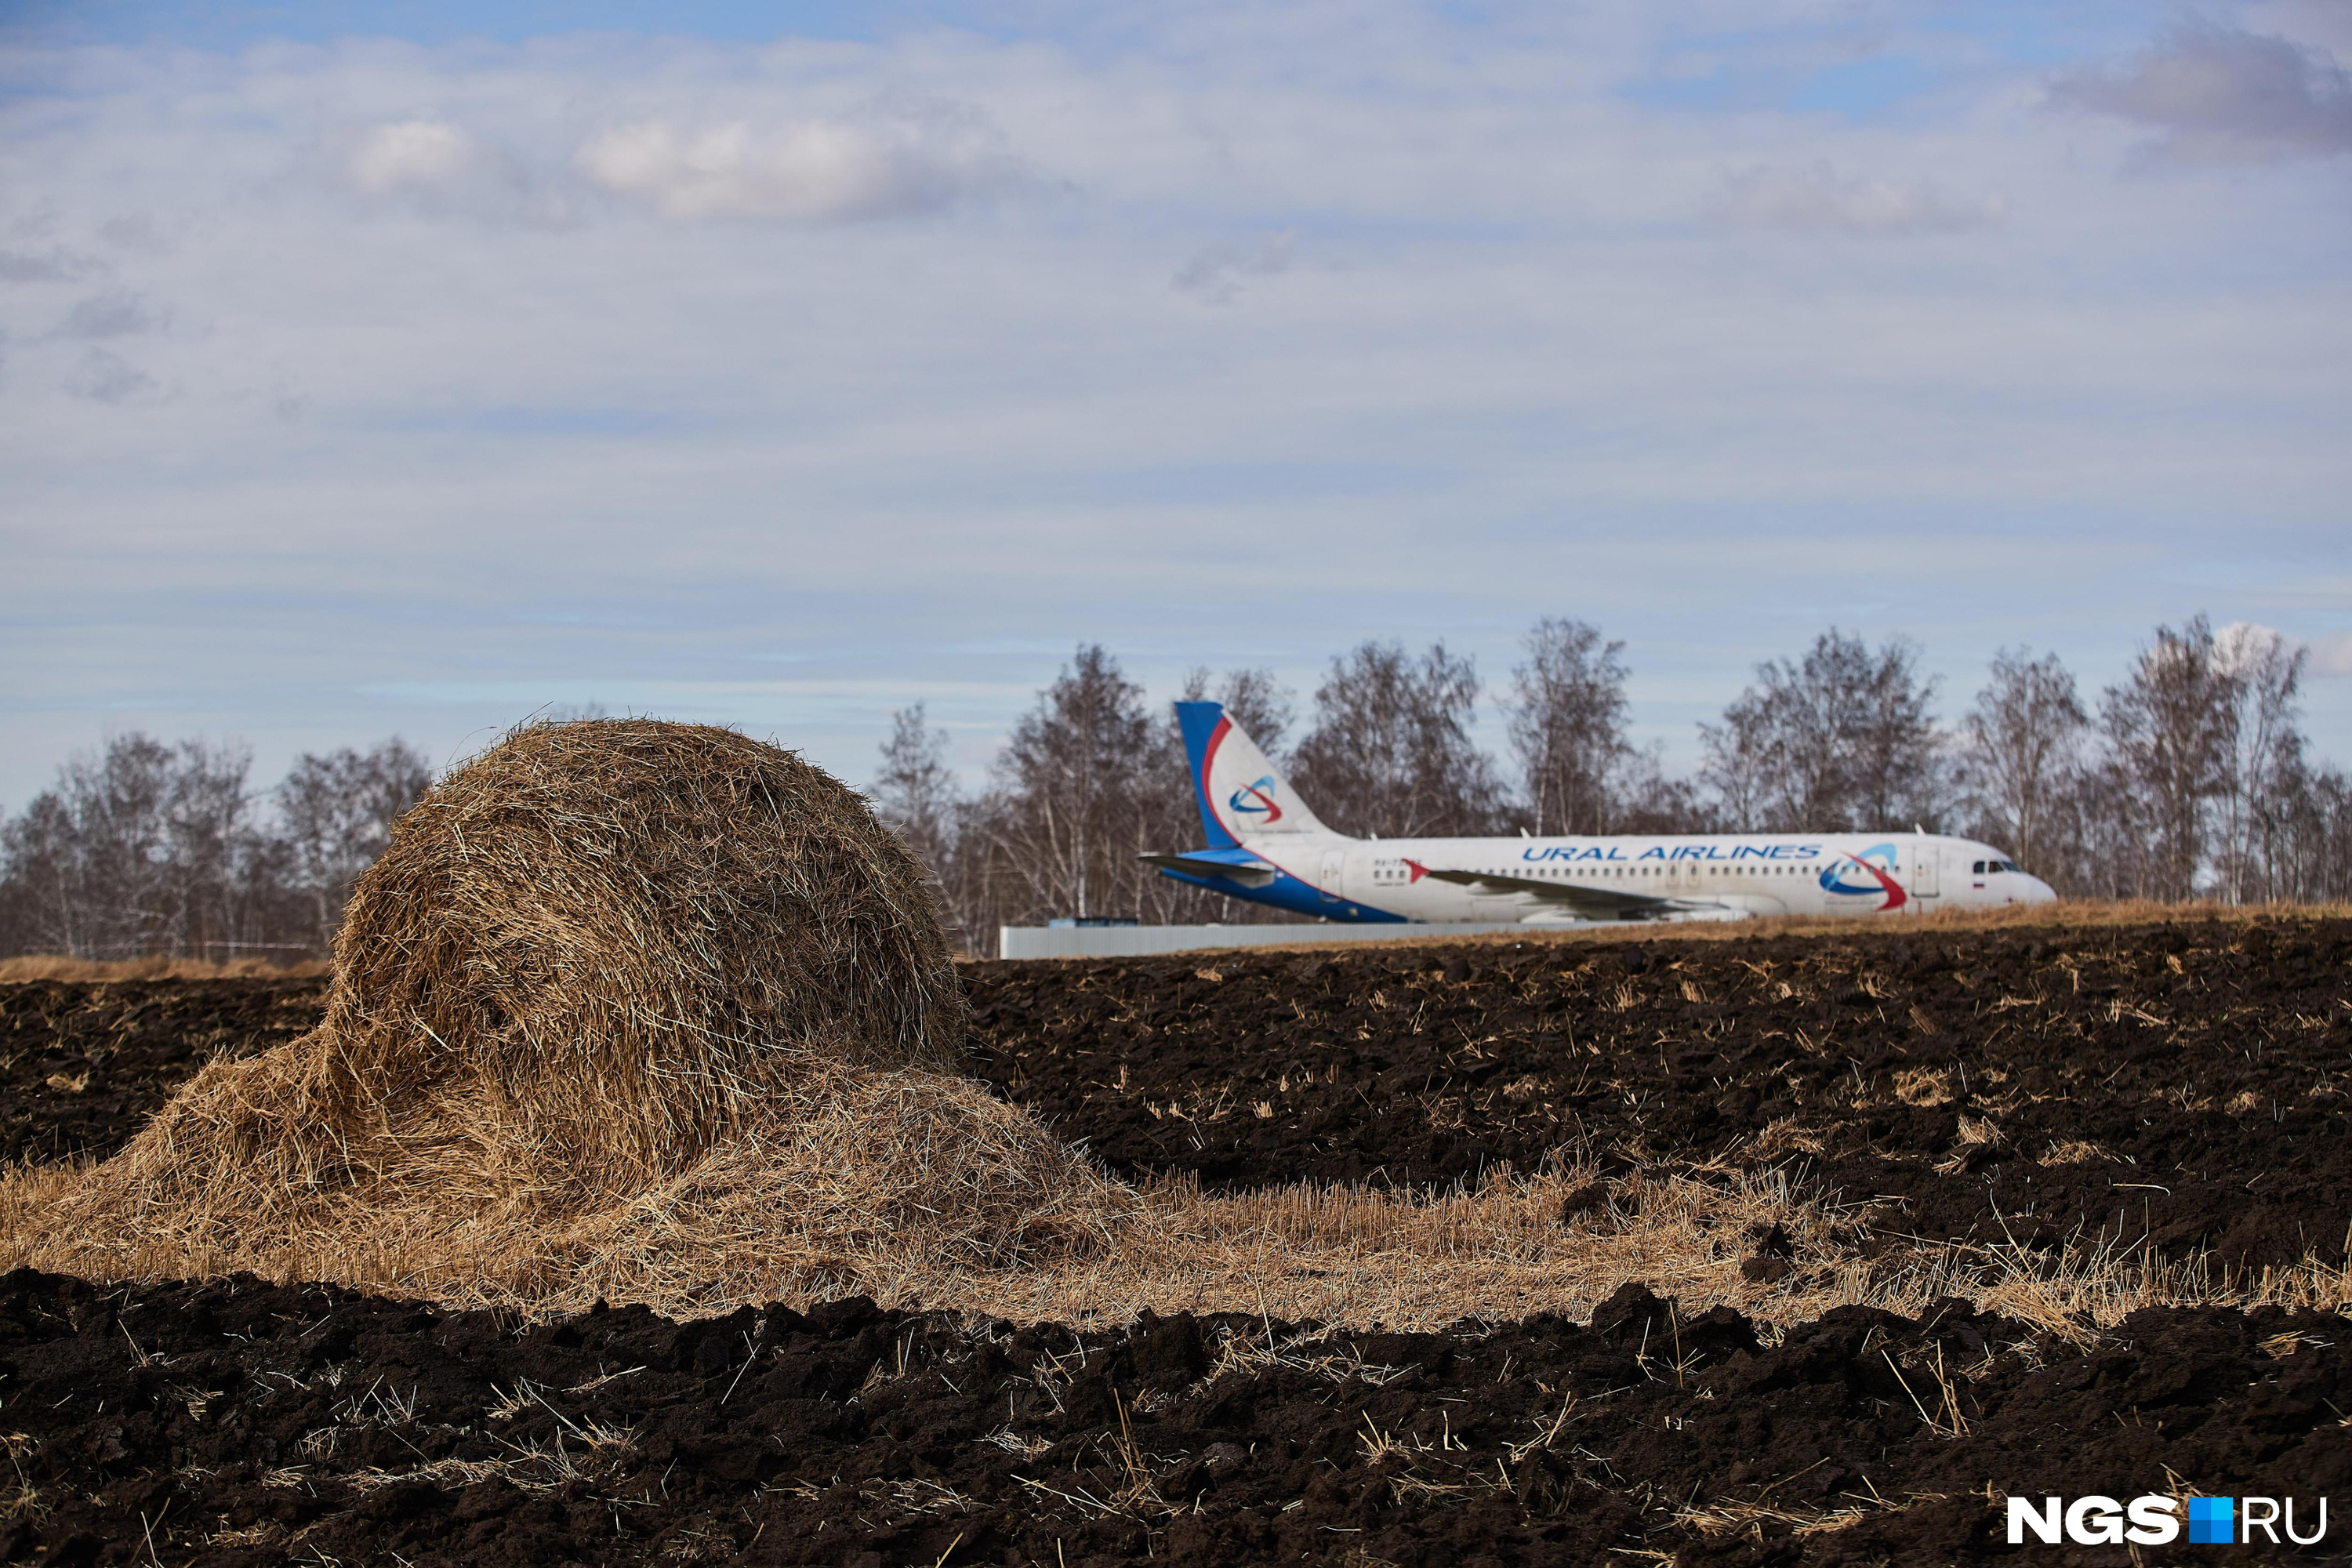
(1982, 867)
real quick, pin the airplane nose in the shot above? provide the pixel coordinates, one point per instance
(2038, 891)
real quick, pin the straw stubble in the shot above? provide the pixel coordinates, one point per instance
(609, 980)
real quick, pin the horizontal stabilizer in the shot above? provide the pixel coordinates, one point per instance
(1592, 903)
(1249, 873)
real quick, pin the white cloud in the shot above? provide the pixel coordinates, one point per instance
(1214, 276)
(2221, 96)
(2244, 645)
(710, 446)
(878, 165)
(55, 265)
(2331, 654)
(117, 313)
(413, 155)
(137, 232)
(438, 166)
(1814, 198)
(104, 376)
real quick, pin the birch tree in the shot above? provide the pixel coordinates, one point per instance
(1568, 724)
(2022, 749)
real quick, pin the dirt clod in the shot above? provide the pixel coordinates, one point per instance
(262, 1424)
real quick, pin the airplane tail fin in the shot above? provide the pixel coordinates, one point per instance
(1239, 794)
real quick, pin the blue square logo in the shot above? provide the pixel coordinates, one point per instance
(2212, 1520)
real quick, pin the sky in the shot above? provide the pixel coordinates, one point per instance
(408, 367)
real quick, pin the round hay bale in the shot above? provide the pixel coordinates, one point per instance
(647, 1010)
(625, 933)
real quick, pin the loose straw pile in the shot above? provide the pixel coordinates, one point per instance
(600, 968)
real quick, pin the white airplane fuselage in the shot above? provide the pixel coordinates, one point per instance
(1266, 846)
(1710, 877)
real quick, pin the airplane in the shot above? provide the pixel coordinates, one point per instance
(1266, 847)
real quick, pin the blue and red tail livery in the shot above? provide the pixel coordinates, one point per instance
(1239, 791)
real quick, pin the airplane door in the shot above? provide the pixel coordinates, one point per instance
(1930, 859)
(1334, 865)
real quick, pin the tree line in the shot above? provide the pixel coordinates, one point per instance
(2189, 777)
(143, 848)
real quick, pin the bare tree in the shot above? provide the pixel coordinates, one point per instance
(141, 847)
(1071, 808)
(1891, 775)
(336, 811)
(120, 804)
(212, 845)
(2165, 724)
(1738, 766)
(1391, 753)
(1841, 739)
(1253, 699)
(1644, 799)
(1089, 781)
(2095, 835)
(1568, 724)
(44, 882)
(2309, 835)
(915, 791)
(1810, 713)
(2262, 753)
(2021, 748)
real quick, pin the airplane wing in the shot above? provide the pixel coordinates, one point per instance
(1250, 873)
(1592, 903)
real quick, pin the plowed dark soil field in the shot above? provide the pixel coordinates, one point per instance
(83, 1066)
(2179, 1084)
(2187, 1083)
(238, 1423)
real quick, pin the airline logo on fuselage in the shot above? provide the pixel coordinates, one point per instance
(1875, 863)
(1847, 875)
(1256, 799)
